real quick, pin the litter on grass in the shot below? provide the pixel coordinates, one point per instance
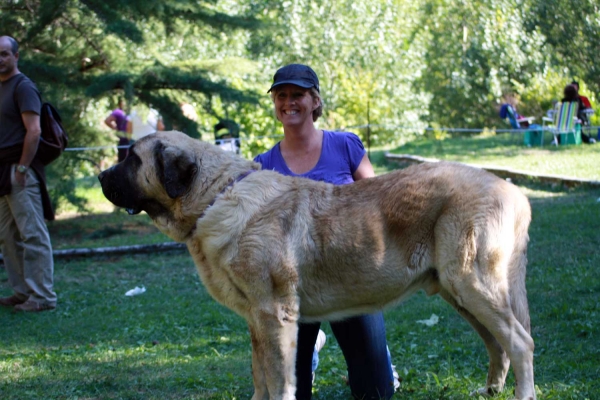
(433, 320)
(135, 291)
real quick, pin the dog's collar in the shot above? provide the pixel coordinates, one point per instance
(239, 178)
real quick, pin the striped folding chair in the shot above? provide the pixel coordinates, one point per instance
(565, 123)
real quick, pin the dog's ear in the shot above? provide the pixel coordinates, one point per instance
(176, 169)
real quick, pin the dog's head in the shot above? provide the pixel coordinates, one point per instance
(172, 177)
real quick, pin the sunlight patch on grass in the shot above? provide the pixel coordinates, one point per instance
(504, 151)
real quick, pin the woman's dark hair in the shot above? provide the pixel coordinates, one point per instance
(570, 93)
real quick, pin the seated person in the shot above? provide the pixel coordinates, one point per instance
(516, 121)
(534, 133)
(570, 94)
(509, 110)
(585, 107)
(584, 100)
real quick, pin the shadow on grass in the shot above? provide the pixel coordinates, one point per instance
(103, 230)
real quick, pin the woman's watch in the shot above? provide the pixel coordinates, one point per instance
(22, 168)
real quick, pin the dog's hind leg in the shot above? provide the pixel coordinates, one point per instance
(258, 374)
(490, 305)
(499, 362)
(274, 336)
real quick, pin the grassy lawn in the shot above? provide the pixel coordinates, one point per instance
(175, 342)
(507, 150)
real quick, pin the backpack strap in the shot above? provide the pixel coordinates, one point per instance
(19, 81)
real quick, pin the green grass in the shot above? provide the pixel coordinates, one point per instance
(507, 150)
(105, 229)
(175, 342)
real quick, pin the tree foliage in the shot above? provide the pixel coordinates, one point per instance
(571, 29)
(361, 51)
(91, 49)
(475, 51)
(398, 65)
(83, 54)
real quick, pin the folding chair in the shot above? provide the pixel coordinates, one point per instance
(566, 123)
(530, 132)
(512, 118)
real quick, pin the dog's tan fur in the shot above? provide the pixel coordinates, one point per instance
(277, 249)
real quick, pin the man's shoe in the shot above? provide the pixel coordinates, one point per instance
(33, 306)
(11, 301)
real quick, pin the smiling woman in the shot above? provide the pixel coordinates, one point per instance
(295, 101)
(339, 158)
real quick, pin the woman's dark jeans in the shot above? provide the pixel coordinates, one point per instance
(362, 340)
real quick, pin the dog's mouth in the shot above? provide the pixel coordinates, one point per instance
(119, 193)
(132, 205)
(120, 188)
(133, 211)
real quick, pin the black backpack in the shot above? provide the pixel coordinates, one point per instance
(53, 139)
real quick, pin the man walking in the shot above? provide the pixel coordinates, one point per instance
(24, 200)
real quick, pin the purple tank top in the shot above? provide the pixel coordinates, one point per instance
(341, 155)
(120, 119)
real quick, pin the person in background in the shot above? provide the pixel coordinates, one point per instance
(155, 120)
(584, 100)
(138, 128)
(570, 94)
(338, 158)
(24, 200)
(117, 121)
(510, 101)
(585, 111)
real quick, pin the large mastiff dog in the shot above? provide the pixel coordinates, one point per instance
(277, 249)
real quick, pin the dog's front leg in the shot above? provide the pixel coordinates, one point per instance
(274, 344)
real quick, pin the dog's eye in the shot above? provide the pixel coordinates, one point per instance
(147, 180)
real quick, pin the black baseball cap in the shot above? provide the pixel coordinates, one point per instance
(296, 74)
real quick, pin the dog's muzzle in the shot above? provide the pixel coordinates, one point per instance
(117, 193)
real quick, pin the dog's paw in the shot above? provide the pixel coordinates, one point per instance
(260, 396)
(526, 398)
(484, 391)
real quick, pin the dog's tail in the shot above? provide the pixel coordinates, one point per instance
(518, 264)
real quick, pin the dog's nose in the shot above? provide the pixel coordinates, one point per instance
(101, 175)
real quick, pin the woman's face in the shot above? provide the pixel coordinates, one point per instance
(294, 105)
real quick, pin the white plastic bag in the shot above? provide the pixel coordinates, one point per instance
(433, 320)
(135, 291)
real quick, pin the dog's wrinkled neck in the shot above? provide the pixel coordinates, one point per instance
(239, 178)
